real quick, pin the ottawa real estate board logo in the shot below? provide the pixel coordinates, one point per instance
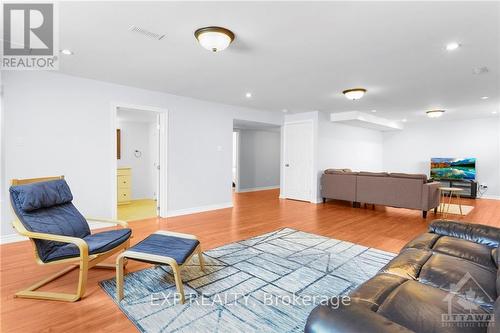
(29, 36)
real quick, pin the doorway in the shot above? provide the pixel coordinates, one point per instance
(298, 160)
(256, 156)
(139, 158)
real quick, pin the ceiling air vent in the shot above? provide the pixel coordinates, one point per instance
(146, 33)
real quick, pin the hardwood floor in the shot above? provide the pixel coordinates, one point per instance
(254, 213)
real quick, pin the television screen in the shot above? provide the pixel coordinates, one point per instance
(453, 168)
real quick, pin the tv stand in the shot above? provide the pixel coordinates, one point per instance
(469, 187)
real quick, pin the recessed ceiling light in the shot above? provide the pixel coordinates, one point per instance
(374, 111)
(66, 52)
(354, 94)
(284, 110)
(434, 113)
(404, 120)
(248, 95)
(452, 46)
(484, 97)
(214, 39)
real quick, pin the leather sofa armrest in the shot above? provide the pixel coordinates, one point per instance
(353, 318)
(477, 233)
(430, 195)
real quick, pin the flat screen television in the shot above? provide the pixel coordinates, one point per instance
(453, 168)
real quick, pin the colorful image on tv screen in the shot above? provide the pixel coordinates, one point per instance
(453, 168)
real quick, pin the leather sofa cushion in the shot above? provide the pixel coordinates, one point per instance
(424, 241)
(373, 174)
(407, 264)
(409, 176)
(478, 233)
(461, 277)
(419, 308)
(374, 291)
(34, 196)
(466, 250)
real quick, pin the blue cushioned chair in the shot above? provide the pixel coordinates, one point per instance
(60, 234)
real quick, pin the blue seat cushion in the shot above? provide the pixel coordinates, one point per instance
(46, 207)
(167, 246)
(98, 243)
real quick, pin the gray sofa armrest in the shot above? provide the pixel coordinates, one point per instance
(430, 195)
(353, 318)
(477, 233)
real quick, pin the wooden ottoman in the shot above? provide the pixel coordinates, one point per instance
(161, 248)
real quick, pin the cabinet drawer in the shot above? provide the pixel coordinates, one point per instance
(123, 182)
(124, 194)
(124, 172)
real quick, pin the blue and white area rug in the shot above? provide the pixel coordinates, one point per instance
(268, 283)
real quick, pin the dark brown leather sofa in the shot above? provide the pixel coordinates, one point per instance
(446, 280)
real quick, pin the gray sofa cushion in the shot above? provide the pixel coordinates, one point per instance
(409, 176)
(373, 174)
(335, 171)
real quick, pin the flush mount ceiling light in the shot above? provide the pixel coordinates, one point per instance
(374, 111)
(248, 95)
(452, 46)
(214, 39)
(484, 97)
(354, 94)
(434, 113)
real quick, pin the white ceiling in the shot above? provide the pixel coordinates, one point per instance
(296, 55)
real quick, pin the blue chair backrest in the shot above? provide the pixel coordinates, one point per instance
(46, 207)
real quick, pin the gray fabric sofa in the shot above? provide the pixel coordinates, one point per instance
(401, 190)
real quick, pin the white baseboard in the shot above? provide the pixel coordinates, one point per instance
(254, 189)
(199, 209)
(492, 197)
(11, 238)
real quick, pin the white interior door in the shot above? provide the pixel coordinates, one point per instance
(298, 161)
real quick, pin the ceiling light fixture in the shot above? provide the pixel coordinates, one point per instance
(214, 39)
(248, 95)
(452, 46)
(493, 112)
(404, 120)
(354, 94)
(434, 113)
(484, 97)
(66, 52)
(284, 110)
(374, 111)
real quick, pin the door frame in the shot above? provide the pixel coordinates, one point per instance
(162, 158)
(310, 122)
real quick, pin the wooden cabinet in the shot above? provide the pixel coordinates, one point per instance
(124, 185)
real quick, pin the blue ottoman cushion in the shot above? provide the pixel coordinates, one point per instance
(167, 246)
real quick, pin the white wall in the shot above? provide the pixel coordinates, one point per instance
(138, 136)
(60, 124)
(343, 146)
(259, 159)
(411, 149)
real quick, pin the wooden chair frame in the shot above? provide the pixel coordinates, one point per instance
(176, 268)
(84, 261)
